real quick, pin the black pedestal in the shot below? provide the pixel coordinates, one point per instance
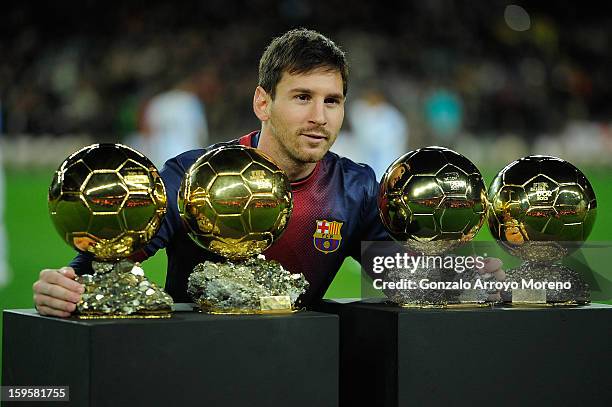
(392, 356)
(192, 359)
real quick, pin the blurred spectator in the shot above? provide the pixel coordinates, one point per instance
(380, 131)
(173, 122)
(444, 115)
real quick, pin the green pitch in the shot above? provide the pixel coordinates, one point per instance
(34, 244)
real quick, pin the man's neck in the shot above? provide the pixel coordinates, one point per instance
(295, 170)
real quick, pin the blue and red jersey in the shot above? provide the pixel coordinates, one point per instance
(334, 210)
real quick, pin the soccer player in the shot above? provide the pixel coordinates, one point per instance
(300, 103)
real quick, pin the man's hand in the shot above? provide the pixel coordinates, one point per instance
(492, 269)
(56, 293)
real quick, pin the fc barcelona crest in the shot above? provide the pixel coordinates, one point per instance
(327, 237)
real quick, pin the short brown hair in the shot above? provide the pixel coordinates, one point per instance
(300, 51)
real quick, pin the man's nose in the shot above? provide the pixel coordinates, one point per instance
(317, 114)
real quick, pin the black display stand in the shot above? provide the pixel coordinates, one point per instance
(391, 356)
(191, 359)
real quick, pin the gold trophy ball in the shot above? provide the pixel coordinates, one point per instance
(235, 201)
(541, 208)
(432, 199)
(108, 200)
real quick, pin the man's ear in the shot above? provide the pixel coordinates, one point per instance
(261, 104)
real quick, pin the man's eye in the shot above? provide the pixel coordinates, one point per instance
(302, 97)
(332, 101)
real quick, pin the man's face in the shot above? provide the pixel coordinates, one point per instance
(306, 114)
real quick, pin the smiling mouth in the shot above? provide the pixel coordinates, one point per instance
(314, 136)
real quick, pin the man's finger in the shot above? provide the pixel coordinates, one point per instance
(44, 310)
(56, 291)
(55, 303)
(500, 275)
(60, 278)
(491, 265)
(68, 272)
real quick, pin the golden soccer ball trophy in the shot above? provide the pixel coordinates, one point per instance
(542, 208)
(431, 200)
(109, 200)
(235, 202)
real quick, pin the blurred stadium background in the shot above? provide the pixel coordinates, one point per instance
(495, 80)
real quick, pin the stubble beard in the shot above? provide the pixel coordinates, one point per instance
(288, 143)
